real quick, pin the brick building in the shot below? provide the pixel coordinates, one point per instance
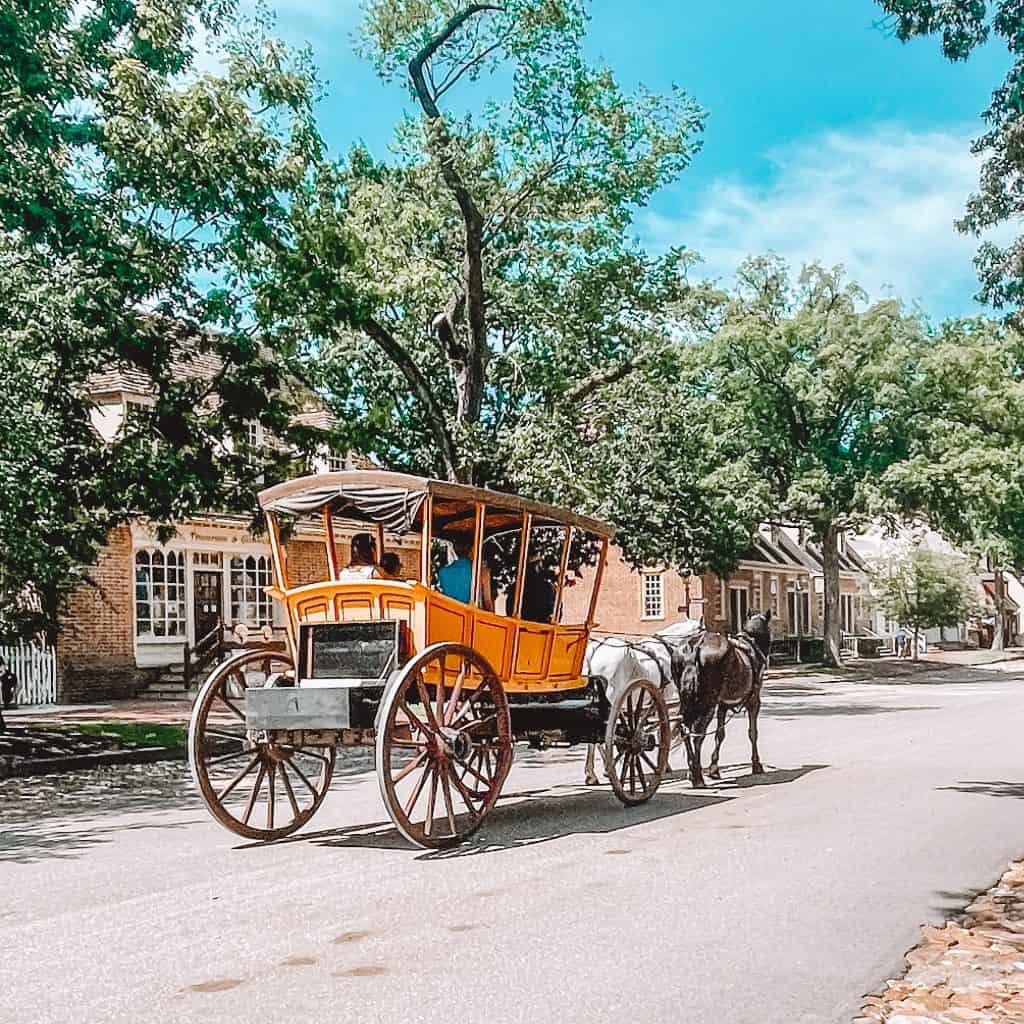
(147, 600)
(781, 571)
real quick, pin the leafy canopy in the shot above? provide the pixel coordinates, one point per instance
(963, 26)
(132, 189)
(484, 270)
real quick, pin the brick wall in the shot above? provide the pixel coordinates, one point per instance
(619, 605)
(95, 647)
(307, 560)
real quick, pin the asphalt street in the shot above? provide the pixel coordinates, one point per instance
(777, 899)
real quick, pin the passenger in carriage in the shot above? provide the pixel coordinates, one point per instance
(362, 562)
(455, 580)
(540, 588)
(391, 566)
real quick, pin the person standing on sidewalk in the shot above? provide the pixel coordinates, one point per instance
(900, 642)
(8, 684)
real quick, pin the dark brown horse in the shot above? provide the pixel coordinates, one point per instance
(721, 674)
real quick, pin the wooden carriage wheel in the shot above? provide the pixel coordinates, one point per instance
(252, 785)
(637, 742)
(444, 745)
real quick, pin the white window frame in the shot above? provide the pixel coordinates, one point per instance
(652, 596)
(249, 603)
(254, 433)
(336, 463)
(165, 596)
(728, 612)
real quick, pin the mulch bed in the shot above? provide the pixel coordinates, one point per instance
(971, 969)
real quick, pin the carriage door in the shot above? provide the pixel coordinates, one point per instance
(738, 599)
(207, 591)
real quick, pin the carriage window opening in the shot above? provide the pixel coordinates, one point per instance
(250, 602)
(540, 578)
(581, 574)
(503, 535)
(159, 594)
(454, 556)
(653, 595)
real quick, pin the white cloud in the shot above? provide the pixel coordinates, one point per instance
(882, 203)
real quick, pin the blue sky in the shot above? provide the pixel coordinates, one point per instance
(827, 139)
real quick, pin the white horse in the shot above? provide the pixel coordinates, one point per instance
(619, 661)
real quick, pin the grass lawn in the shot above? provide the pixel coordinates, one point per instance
(141, 734)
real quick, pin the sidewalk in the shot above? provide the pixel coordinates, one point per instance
(971, 969)
(151, 712)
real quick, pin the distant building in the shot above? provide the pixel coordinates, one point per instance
(781, 572)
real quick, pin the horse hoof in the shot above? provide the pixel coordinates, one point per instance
(717, 776)
(757, 769)
(698, 783)
(592, 780)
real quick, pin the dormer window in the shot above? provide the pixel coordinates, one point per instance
(254, 433)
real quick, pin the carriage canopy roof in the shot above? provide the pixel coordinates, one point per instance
(395, 500)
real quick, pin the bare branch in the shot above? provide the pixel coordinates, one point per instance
(601, 378)
(394, 350)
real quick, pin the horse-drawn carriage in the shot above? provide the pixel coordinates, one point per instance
(441, 685)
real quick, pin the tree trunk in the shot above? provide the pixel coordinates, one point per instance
(830, 562)
(998, 633)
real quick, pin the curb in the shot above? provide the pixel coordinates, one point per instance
(76, 762)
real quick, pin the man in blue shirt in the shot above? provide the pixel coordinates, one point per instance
(455, 580)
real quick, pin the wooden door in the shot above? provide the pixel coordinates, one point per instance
(207, 593)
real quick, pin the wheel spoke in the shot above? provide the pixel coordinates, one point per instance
(640, 773)
(291, 793)
(447, 797)
(210, 762)
(252, 796)
(450, 708)
(410, 767)
(650, 764)
(238, 778)
(425, 700)
(306, 752)
(221, 734)
(224, 700)
(429, 823)
(302, 775)
(271, 773)
(468, 765)
(467, 797)
(416, 792)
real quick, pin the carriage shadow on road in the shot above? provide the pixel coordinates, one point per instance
(1014, 789)
(527, 817)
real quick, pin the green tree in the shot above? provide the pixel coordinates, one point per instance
(486, 271)
(964, 469)
(811, 385)
(640, 454)
(925, 589)
(964, 25)
(128, 184)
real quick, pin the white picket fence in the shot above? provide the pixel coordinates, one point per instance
(36, 669)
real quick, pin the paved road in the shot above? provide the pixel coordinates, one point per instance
(780, 901)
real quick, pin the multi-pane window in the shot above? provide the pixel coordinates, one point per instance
(159, 594)
(652, 592)
(254, 433)
(250, 602)
(336, 463)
